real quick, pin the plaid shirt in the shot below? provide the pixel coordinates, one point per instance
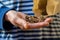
(52, 32)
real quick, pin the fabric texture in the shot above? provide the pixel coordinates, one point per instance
(3, 10)
(52, 32)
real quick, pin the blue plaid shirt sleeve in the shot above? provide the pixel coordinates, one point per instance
(3, 10)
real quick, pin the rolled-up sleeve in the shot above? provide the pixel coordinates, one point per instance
(3, 10)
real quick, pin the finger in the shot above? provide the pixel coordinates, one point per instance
(41, 24)
(48, 20)
(38, 25)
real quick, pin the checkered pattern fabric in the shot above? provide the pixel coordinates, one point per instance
(52, 32)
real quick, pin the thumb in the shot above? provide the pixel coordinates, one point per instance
(21, 15)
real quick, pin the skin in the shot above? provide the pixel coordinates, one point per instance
(17, 19)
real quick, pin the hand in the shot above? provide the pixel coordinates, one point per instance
(17, 19)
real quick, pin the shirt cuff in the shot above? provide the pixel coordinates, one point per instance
(3, 11)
